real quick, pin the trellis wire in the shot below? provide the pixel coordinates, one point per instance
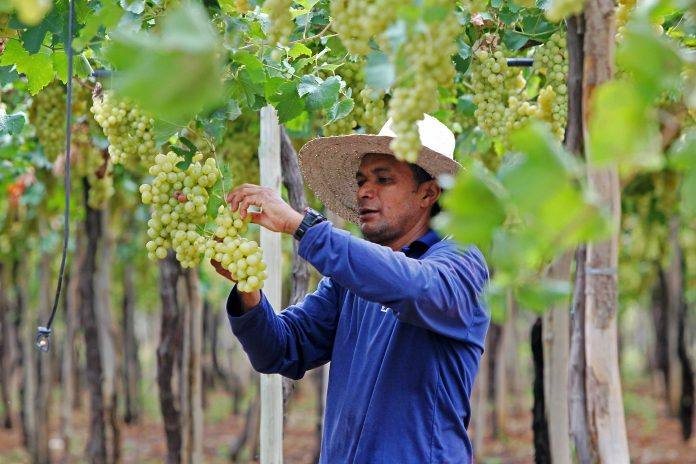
(42, 341)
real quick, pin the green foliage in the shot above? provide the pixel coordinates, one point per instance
(535, 208)
(11, 124)
(173, 73)
(38, 68)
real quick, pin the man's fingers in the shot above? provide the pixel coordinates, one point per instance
(241, 192)
(250, 200)
(221, 270)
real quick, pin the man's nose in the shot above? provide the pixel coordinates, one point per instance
(365, 191)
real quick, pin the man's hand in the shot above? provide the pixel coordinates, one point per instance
(275, 214)
(247, 300)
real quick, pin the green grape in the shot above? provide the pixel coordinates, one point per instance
(129, 130)
(241, 257)
(343, 126)
(179, 202)
(357, 21)
(550, 59)
(374, 113)
(282, 24)
(47, 114)
(240, 150)
(428, 52)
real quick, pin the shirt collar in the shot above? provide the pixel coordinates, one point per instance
(418, 247)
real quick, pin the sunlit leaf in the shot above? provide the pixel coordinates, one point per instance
(623, 127)
(174, 73)
(465, 218)
(38, 68)
(642, 53)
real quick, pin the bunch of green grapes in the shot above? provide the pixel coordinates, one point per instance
(241, 257)
(374, 111)
(179, 202)
(428, 55)
(550, 59)
(343, 126)
(129, 130)
(500, 105)
(624, 8)
(357, 21)
(280, 17)
(47, 114)
(94, 164)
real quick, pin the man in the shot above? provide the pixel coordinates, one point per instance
(398, 314)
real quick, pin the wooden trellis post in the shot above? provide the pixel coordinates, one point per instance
(271, 385)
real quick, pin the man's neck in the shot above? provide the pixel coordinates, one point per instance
(415, 233)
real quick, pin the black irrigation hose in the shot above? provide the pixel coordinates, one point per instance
(520, 62)
(43, 333)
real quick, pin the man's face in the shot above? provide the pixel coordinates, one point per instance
(389, 202)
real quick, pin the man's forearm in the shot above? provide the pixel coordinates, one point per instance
(249, 300)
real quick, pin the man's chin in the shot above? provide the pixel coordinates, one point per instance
(372, 232)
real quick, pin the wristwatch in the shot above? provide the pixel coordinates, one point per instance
(311, 218)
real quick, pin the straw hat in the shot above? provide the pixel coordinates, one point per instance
(329, 164)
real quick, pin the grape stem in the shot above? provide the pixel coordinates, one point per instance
(315, 36)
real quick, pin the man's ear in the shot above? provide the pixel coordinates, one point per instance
(430, 192)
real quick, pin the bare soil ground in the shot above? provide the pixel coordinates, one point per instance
(654, 437)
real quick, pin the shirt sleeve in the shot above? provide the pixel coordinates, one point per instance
(292, 342)
(440, 292)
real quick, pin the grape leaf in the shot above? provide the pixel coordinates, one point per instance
(514, 40)
(299, 49)
(38, 68)
(8, 75)
(287, 101)
(187, 153)
(11, 124)
(106, 17)
(60, 65)
(340, 109)
(219, 191)
(320, 94)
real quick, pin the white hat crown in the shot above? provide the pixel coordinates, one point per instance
(433, 135)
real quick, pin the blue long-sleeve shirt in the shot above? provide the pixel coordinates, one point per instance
(404, 332)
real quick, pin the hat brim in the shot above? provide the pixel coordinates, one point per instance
(329, 164)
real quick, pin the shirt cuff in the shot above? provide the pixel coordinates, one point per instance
(310, 238)
(234, 304)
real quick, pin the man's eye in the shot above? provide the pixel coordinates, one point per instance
(360, 182)
(383, 180)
